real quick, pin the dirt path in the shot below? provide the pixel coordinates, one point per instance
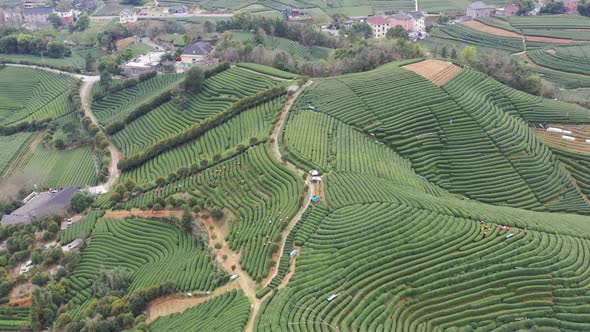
(227, 258)
(86, 95)
(179, 303)
(121, 214)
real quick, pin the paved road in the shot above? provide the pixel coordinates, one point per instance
(147, 17)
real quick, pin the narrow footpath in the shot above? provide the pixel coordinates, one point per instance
(229, 259)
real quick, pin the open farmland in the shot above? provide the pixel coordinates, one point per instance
(60, 168)
(227, 312)
(10, 147)
(573, 59)
(465, 34)
(458, 149)
(262, 194)
(116, 106)
(33, 94)
(143, 247)
(223, 141)
(219, 92)
(436, 71)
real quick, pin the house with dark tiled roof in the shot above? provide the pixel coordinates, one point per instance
(480, 9)
(197, 53)
(41, 205)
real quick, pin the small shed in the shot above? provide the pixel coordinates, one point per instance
(315, 199)
(314, 172)
(293, 252)
(316, 179)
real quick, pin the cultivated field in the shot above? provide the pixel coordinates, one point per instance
(33, 94)
(436, 71)
(143, 247)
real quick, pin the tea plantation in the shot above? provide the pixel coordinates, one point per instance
(143, 246)
(32, 94)
(227, 312)
(436, 208)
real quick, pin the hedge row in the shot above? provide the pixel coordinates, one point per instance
(127, 84)
(116, 126)
(198, 130)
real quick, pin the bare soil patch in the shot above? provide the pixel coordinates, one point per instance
(551, 51)
(437, 71)
(120, 214)
(552, 40)
(20, 295)
(491, 30)
(180, 302)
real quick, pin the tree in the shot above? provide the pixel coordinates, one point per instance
(56, 49)
(89, 62)
(216, 213)
(91, 324)
(360, 30)
(193, 82)
(584, 8)
(112, 282)
(525, 6)
(396, 32)
(160, 181)
(186, 221)
(260, 36)
(59, 144)
(453, 54)
(55, 20)
(80, 202)
(81, 24)
(107, 66)
(553, 8)
(445, 53)
(469, 55)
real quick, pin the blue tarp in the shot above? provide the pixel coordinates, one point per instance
(315, 199)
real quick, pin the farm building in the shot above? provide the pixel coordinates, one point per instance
(480, 9)
(67, 16)
(142, 63)
(36, 17)
(41, 205)
(197, 54)
(11, 17)
(127, 16)
(507, 11)
(413, 21)
(178, 10)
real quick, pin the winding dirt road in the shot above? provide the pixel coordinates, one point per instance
(229, 259)
(86, 96)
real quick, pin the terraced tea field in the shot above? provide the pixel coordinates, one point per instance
(573, 59)
(256, 123)
(227, 312)
(143, 247)
(33, 94)
(116, 106)
(447, 138)
(262, 194)
(10, 147)
(219, 92)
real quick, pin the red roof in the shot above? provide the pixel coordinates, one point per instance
(512, 9)
(377, 20)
